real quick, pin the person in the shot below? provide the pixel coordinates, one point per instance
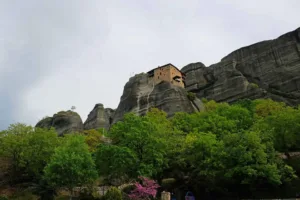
(189, 196)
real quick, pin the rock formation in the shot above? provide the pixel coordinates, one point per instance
(140, 95)
(268, 69)
(99, 117)
(64, 122)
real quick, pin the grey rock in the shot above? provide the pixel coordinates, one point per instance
(99, 117)
(64, 122)
(140, 95)
(268, 69)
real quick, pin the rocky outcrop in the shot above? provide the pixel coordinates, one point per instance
(140, 94)
(64, 122)
(269, 69)
(99, 117)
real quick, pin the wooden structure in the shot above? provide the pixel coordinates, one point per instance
(168, 73)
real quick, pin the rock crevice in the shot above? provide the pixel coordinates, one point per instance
(99, 117)
(140, 94)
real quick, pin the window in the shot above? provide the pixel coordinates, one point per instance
(158, 77)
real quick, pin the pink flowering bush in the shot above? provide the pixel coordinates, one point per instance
(145, 190)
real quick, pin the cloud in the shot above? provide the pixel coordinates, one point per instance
(56, 54)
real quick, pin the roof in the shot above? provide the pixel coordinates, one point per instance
(165, 66)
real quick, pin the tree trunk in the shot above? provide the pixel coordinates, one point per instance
(71, 196)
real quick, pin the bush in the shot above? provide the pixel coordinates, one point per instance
(253, 85)
(23, 195)
(204, 100)
(3, 198)
(191, 96)
(113, 194)
(128, 189)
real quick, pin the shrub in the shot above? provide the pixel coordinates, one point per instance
(113, 194)
(191, 96)
(147, 189)
(127, 189)
(253, 85)
(204, 100)
(3, 198)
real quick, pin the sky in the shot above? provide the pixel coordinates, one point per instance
(62, 53)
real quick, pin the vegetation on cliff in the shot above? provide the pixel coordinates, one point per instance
(226, 150)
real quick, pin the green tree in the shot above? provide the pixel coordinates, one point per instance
(248, 161)
(145, 139)
(116, 163)
(221, 120)
(40, 147)
(203, 153)
(266, 107)
(282, 128)
(71, 165)
(93, 138)
(28, 149)
(183, 122)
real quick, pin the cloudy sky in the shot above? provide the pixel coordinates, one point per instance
(58, 53)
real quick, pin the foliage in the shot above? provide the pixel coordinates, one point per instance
(113, 194)
(247, 160)
(71, 165)
(115, 162)
(145, 189)
(23, 195)
(253, 85)
(226, 150)
(28, 149)
(191, 96)
(93, 139)
(204, 154)
(266, 107)
(204, 100)
(144, 137)
(3, 198)
(282, 127)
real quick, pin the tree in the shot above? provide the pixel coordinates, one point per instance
(143, 138)
(40, 147)
(266, 107)
(248, 161)
(28, 149)
(221, 120)
(13, 145)
(71, 165)
(144, 190)
(93, 138)
(203, 154)
(282, 127)
(116, 163)
(241, 117)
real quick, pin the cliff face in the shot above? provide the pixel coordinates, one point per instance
(99, 117)
(64, 122)
(266, 69)
(140, 95)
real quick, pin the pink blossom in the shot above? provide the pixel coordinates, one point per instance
(145, 190)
